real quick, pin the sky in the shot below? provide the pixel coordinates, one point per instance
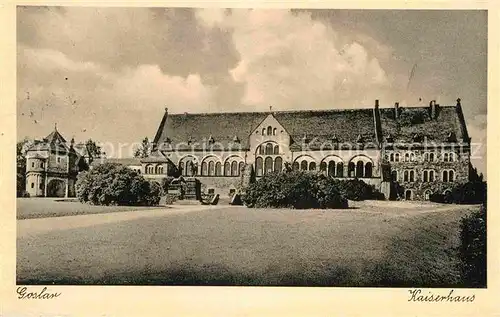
(109, 73)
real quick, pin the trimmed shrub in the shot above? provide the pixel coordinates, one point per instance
(472, 192)
(356, 189)
(472, 250)
(115, 184)
(165, 182)
(295, 189)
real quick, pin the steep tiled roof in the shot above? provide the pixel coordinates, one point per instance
(347, 125)
(53, 136)
(53, 142)
(123, 161)
(437, 129)
(197, 128)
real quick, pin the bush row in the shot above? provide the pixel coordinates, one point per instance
(472, 250)
(115, 184)
(302, 190)
(472, 192)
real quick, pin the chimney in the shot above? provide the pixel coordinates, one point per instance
(376, 103)
(434, 109)
(396, 110)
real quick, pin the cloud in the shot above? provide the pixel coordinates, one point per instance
(88, 97)
(289, 60)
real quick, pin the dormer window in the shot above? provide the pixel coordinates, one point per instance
(190, 140)
(168, 141)
(211, 140)
(304, 138)
(236, 139)
(417, 138)
(389, 139)
(451, 137)
(359, 139)
(335, 139)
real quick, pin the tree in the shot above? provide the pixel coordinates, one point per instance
(116, 184)
(144, 149)
(21, 166)
(93, 150)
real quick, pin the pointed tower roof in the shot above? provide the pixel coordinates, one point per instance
(55, 136)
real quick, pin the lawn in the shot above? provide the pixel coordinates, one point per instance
(28, 208)
(373, 244)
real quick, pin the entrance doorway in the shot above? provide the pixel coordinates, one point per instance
(408, 195)
(56, 188)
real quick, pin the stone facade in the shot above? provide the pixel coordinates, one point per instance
(52, 167)
(379, 146)
(423, 150)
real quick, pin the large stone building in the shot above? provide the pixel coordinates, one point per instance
(424, 150)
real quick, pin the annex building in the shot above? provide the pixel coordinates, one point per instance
(423, 149)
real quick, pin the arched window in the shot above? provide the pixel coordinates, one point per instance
(218, 169)
(241, 166)
(431, 157)
(227, 169)
(407, 157)
(303, 165)
(274, 131)
(391, 157)
(150, 169)
(268, 165)
(312, 166)
(261, 150)
(368, 169)
(412, 157)
(427, 194)
(323, 167)
(426, 157)
(445, 176)
(340, 169)
(269, 130)
(234, 169)
(258, 166)
(396, 157)
(445, 157)
(412, 176)
(211, 168)
(159, 169)
(278, 164)
(295, 166)
(394, 176)
(350, 169)
(269, 149)
(431, 176)
(426, 176)
(359, 169)
(406, 176)
(451, 176)
(452, 157)
(190, 167)
(263, 131)
(331, 168)
(204, 171)
(276, 149)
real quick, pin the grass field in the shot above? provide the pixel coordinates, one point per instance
(373, 244)
(28, 208)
